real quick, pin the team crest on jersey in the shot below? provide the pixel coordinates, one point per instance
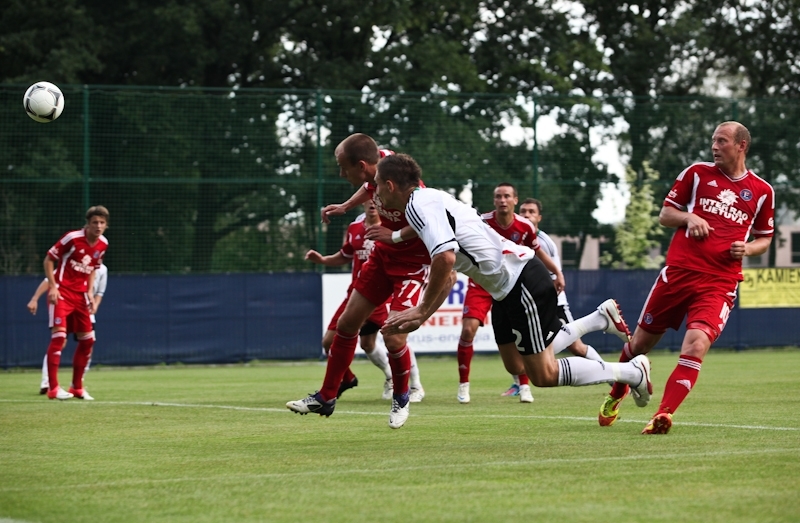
(648, 318)
(515, 237)
(57, 321)
(96, 254)
(746, 195)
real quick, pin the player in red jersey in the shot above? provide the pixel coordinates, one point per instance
(395, 270)
(478, 302)
(715, 209)
(356, 249)
(78, 254)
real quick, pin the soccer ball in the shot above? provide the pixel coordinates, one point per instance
(43, 102)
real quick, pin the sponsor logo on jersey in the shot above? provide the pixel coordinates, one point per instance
(648, 318)
(84, 266)
(724, 206)
(746, 195)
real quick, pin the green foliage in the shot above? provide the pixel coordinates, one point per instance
(637, 236)
(156, 447)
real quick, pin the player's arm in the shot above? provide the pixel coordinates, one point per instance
(337, 209)
(332, 260)
(441, 279)
(33, 305)
(49, 271)
(756, 247)
(383, 234)
(673, 217)
(101, 281)
(560, 283)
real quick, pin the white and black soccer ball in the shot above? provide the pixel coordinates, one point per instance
(43, 102)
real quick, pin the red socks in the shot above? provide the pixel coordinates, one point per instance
(465, 352)
(523, 379)
(400, 362)
(618, 390)
(680, 383)
(340, 357)
(57, 342)
(82, 354)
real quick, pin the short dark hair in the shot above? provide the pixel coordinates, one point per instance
(506, 184)
(533, 201)
(97, 210)
(358, 147)
(402, 169)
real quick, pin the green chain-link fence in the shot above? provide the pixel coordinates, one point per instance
(211, 180)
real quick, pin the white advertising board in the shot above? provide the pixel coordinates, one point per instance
(439, 334)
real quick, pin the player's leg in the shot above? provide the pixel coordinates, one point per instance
(379, 356)
(83, 353)
(58, 339)
(469, 327)
(45, 385)
(415, 391)
(707, 317)
(578, 347)
(527, 318)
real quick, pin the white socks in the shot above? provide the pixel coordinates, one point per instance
(413, 380)
(380, 358)
(580, 371)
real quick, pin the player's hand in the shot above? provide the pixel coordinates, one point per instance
(53, 296)
(92, 307)
(738, 250)
(402, 322)
(379, 233)
(697, 227)
(33, 306)
(313, 256)
(560, 283)
(335, 209)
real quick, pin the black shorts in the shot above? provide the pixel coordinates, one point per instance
(528, 317)
(369, 328)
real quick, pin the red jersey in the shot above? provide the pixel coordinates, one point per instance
(519, 231)
(76, 259)
(734, 208)
(356, 247)
(411, 251)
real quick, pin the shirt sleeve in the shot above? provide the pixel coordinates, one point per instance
(429, 218)
(681, 191)
(764, 222)
(100, 281)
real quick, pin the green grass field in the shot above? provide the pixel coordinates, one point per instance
(203, 444)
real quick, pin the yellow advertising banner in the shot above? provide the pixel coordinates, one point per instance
(770, 288)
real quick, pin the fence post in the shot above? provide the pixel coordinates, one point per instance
(86, 159)
(318, 121)
(735, 110)
(535, 151)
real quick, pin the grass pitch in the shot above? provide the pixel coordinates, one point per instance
(216, 444)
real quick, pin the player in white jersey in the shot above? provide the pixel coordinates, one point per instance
(531, 209)
(526, 326)
(100, 282)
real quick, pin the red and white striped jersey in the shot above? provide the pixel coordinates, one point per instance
(76, 259)
(733, 208)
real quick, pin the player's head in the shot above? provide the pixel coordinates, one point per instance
(397, 176)
(729, 146)
(96, 220)
(357, 156)
(370, 209)
(505, 198)
(531, 209)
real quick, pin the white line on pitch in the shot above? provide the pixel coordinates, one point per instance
(372, 413)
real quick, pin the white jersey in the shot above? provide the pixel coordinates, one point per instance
(547, 244)
(446, 224)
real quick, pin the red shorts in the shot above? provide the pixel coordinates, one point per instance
(477, 302)
(383, 279)
(378, 316)
(681, 293)
(71, 312)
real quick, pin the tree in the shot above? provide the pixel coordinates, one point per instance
(637, 236)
